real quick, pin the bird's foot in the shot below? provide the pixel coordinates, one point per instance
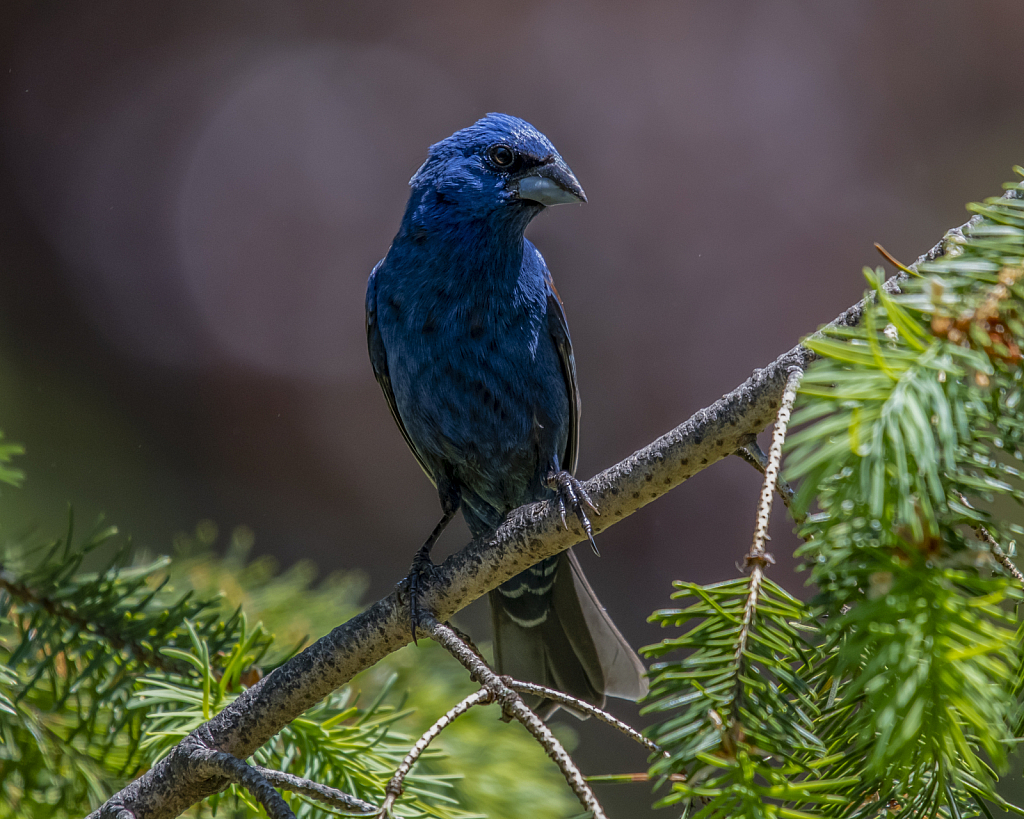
(422, 565)
(570, 492)
(422, 568)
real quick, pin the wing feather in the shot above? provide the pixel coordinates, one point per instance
(379, 362)
(559, 329)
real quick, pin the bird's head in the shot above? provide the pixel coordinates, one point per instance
(499, 167)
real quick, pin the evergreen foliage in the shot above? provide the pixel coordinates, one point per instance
(74, 645)
(897, 690)
(737, 700)
(8, 474)
(902, 692)
(101, 672)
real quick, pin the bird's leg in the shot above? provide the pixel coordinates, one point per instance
(421, 563)
(569, 491)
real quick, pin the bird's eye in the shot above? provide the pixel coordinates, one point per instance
(501, 156)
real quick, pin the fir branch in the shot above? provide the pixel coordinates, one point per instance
(513, 705)
(331, 797)
(910, 419)
(334, 743)
(739, 699)
(396, 784)
(584, 708)
(76, 645)
(30, 599)
(529, 535)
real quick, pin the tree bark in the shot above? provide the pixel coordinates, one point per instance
(529, 535)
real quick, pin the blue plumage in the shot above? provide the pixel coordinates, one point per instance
(468, 340)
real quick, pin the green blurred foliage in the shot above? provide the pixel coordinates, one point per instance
(904, 693)
(506, 774)
(104, 670)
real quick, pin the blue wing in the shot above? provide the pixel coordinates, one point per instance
(379, 362)
(559, 330)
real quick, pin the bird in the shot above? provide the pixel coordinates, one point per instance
(469, 343)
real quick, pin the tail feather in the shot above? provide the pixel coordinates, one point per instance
(574, 647)
(624, 675)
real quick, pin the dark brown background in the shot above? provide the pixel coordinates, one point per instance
(192, 196)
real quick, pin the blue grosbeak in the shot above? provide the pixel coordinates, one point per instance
(468, 340)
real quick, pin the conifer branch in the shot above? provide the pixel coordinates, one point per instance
(314, 790)
(584, 708)
(513, 705)
(530, 534)
(146, 657)
(396, 784)
(905, 418)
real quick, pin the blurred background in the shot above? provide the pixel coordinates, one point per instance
(192, 197)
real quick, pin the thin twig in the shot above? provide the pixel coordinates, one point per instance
(513, 705)
(757, 558)
(754, 455)
(484, 696)
(249, 778)
(1001, 557)
(585, 708)
(396, 785)
(314, 790)
(771, 472)
(530, 534)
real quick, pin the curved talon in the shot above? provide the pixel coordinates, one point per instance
(569, 489)
(587, 500)
(561, 511)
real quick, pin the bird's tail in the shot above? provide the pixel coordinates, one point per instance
(550, 629)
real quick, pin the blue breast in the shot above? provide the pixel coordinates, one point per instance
(475, 373)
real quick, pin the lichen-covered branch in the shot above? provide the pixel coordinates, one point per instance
(586, 708)
(530, 534)
(513, 705)
(397, 783)
(314, 790)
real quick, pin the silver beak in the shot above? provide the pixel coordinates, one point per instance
(551, 184)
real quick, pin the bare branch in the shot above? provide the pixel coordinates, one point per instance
(529, 535)
(585, 708)
(513, 705)
(754, 455)
(495, 688)
(1001, 557)
(314, 790)
(395, 786)
(249, 778)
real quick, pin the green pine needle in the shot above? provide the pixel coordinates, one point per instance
(899, 689)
